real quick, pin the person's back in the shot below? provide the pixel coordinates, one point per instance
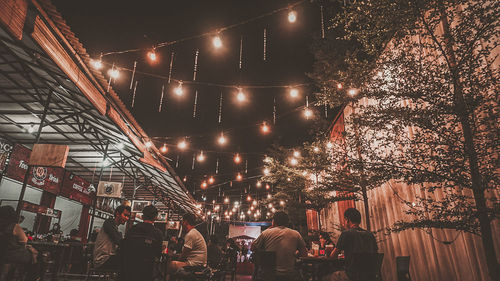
(197, 254)
(356, 241)
(214, 253)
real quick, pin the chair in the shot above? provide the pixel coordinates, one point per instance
(138, 257)
(403, 268)
(365, 267)
(265, 266)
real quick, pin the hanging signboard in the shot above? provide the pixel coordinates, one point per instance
(42, 210)
(76, 188)
(5, 150)
(109, 189)
(46, 178)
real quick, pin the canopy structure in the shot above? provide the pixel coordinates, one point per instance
(49, 93)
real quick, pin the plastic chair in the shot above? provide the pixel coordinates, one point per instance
(365, 266)
(403, 268)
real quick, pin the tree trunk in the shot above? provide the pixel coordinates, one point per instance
(470, 152)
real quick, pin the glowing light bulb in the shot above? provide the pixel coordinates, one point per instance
(339, 86)
(292, 16)
(184, 179)
(266, 171)
(217, 41)
(222, 140)
(201, 157)
(152, 56)
(241, 96)
(182, 145)
(239, 177)
(273, 210)
(237, 159)
(294, 93)
(254, 202)
(148, 144)
(268, 186)
(97, 64)
(258, 184)
(178, 90)
(296, 154)
(114, 73)
(308, 113)
(204, 184)
(252, 208)
(269, 196)
(264, 128)
(316, 149)
(352, 92)
(282, 202)
(249, 198)
(164, 148)
(249, 212)
(226, 200)
(329, 145)
(211, 180)
(294, 161)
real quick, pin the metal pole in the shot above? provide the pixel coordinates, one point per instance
(37, 139)
(95, 196)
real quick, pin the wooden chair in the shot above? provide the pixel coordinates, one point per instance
(403, 268)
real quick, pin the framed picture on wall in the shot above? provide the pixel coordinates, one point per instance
(137, 206)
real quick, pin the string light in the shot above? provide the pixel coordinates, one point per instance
(152, 55)
(339, 86)
(329, 145)
(97, 64)
(294, 161)
(249, 198)
(239, 177)
(184, 179)
(226, 200)
(316, 149)
(294, 93)
(237, 159)
(201, 157)
(296, 154)
(204, 185)
(308, 113)
(182, 145)
(258, 184)
(178, 90)
(241, 96)
(268, 186)
(254, 202)
(264, 128)
(292, 16)
(266, 171)
(164, 148)
(114, 73)
(352, 92)
(282, 202)
(222, 140)
(269, 196)
(211, 180)
(216, 41)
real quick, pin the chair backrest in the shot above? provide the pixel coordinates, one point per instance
(265, 265)
(403, 268)
(365, 266)
(138, 254)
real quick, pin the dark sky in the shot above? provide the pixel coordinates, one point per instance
(111, 25)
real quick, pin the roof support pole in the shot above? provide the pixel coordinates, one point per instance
(94, 205)
(37, 139)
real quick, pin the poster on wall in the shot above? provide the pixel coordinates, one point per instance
(46, 178)
(5, 150)
(139, 205)
(76, 188)
(109, 189)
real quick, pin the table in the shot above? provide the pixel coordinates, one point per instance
(320, 266)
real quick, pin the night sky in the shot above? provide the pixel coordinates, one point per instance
(104, 26)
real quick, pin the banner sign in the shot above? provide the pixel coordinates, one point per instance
(5, 150)
(109, 189)
(76, 188)
(42, 210)
(46, 178)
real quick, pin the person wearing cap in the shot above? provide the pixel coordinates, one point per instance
(285, 242)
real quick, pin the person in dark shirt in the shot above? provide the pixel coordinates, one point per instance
(352, 240)
(214, 253)
(141, 246)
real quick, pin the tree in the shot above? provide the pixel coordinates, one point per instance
(427, 104)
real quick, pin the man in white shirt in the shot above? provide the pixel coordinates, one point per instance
(285, 242)
(194, 251)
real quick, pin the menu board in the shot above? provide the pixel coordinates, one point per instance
(76, 188)
(46, 178)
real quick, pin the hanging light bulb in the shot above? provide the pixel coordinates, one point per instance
(316, 149)
(201, 157)
(237, 158)
(294, 161)
(264, 128)
(252, 208)
(216, 41)
(184, 179)
(178, 90)
(270, 205)
(294, 92)
(241, 96)
(239, 177)
(308, 113)
(268, 186)
(266, 171)
(164, 148)
(182, 145)
(222, 140)
(211, 180)
(254, 202)
(339, 86)
(292, 16)
(152, 55)
(269, 196)
(329, 145)
(97, 64)
(273, 210)
(114, 73)
(258, 184)
(282, 202)
(352, 92)
(296, 154)
(249, 198)
(226, 200)
(204, 185)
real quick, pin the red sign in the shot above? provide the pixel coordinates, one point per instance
(42, 210)
(48, 179)
(76, 188)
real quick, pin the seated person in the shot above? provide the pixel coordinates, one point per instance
(324, 243)
(194, 251)
(109, 238)
(352, 240)
(13, 248)
(141, 246)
